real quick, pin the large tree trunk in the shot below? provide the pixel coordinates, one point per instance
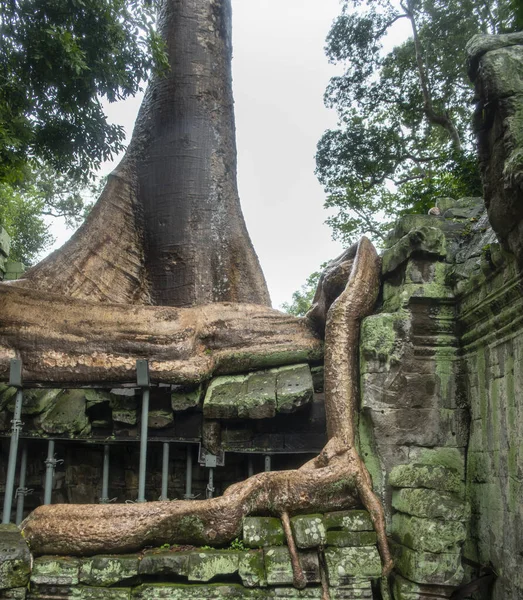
(336, 479)
(168, 229)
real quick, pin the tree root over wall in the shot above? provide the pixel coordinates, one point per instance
(336, 479)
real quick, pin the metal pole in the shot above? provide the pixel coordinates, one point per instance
(15, 379)
(165, 472)
(50, 465)
(250, 466)
(188, 474)
(267, 462)
(105, 475)
(142, 369)
(22, 490)
(210, 486)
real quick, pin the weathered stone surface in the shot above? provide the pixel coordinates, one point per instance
(354, 591)
(434, 477)
(428, 567)
(408, 590)
(81, 592)
(351, 538)
(308, 531)
(55, 570)
(35, 401)
(262, 531)
(348, 520)
(108, 570)
(430, 535)
(294, 387)
(430, 240)
(14, 594)
(164, 563)
(183, 398)
(430, 504)
(15, 558)
(126, 417)
(208, 564)
(251, 569)
(229, 397)
(160, 419)
(278, 566)
(67, 415)
(343, 564)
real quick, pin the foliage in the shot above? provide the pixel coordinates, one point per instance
(302, 298)
(42, 193)
(237, 544)
(405, 134)
(57, 59)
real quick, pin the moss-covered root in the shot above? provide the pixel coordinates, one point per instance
(299, 579)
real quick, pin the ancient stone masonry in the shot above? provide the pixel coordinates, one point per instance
(440, 421)
(257, 568)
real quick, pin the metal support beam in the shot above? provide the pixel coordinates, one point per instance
(188, 474)
(209, 490)
(50, 466)
(15, 379)
(250, 466)
(104, 499)
(22, 491)
(142, 372)
(267, 462)
(165, 472)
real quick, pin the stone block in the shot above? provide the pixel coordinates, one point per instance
(428, 240)
(429, 535)
(160, 419)
(260, 396)
(55, 570)
(308, 531)
(126, 417)
(67, 416)
(108, 570)
(348, 520)
(342, 539)
(278, 566)
(434, 477)
(35, 401)
(343, 564)
(184, 398)
(208, 564)
(251, 569)
(404, 589)
(164, 563)
(430, 504)
(428, 567)
(15, 558)
(98, 593)
(232, 397)
(294, 387)
(262, 531)
(14, 594)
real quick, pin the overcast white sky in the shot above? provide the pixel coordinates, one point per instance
(280, 73)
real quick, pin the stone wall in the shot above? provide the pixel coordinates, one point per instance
(339, 547)
(441, 380)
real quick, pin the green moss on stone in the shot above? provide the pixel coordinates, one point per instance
(108, 570)
(428, 567)
(429, 535)
(204, 566)
(344, 564)
(348, 520)
(308, 531)
(434, 477)
(55, 570)
(15, 558)
(259, 532)
(251, 569)
(431, 504)
(342, 539)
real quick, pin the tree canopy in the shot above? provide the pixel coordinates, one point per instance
(57, 60)
(405, 115)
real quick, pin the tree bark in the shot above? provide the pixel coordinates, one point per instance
(71, 342)
(168, 228)
(336, 479)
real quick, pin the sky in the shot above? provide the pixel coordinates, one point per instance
(280, 73)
